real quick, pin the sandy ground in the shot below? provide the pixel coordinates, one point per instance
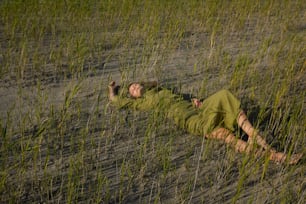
(112, 138)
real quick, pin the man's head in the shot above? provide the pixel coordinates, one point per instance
(136, 90)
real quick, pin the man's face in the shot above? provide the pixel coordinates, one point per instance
(136, 90)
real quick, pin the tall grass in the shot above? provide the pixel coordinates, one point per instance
(62, 142)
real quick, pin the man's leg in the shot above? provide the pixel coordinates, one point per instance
(242, 146)
(229, 138)
(248, 128)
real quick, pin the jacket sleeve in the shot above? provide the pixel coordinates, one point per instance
(151, 100)
(128, 103)
(121, 102)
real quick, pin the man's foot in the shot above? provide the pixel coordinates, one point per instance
(295, 158)
(280, 157)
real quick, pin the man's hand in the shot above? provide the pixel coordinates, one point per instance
(112, 90)
(196, 102)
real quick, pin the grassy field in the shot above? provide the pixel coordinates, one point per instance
(61, 141)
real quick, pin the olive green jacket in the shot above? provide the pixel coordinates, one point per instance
(219, 110)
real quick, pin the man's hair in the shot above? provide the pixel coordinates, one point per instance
(130, 84)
